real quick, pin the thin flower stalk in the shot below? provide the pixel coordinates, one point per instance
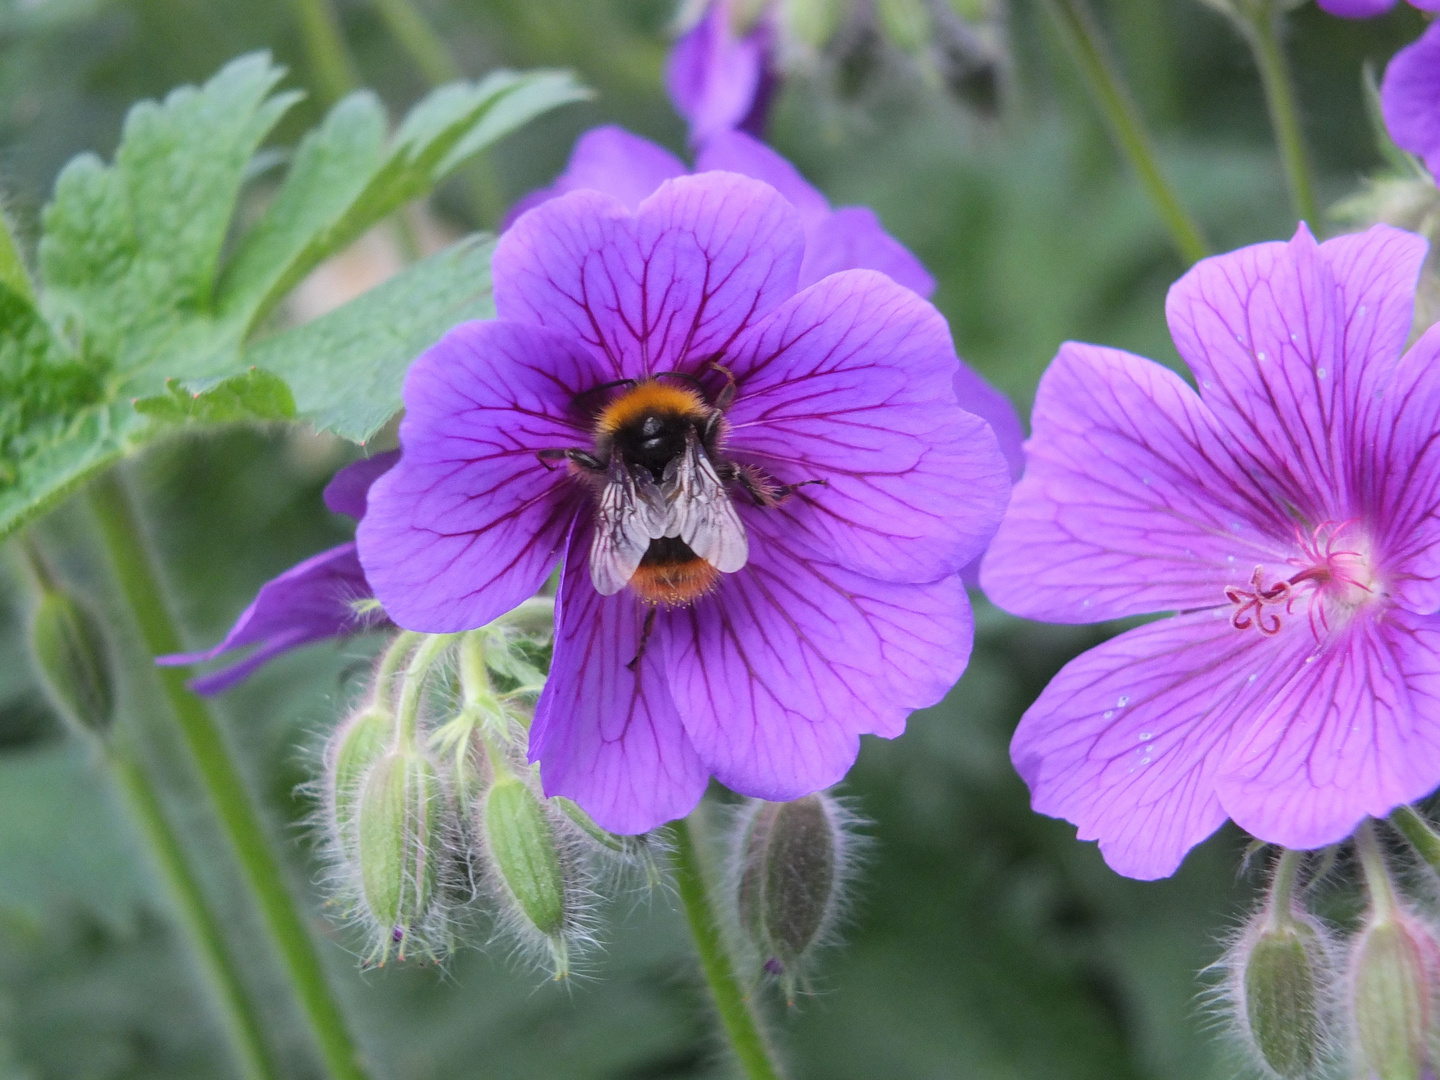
(140, 585)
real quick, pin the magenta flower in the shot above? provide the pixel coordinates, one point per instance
(612, 160)
(719, 81)
(1410, 98)
(309, 602)
(1288, 512)
(1364, 9)
(761, 494)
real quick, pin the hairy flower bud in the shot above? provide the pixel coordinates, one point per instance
(538, 882)
(790, 865)
(353, 749)
(1278, 970)
(1394, 966)
(73, 662)
(400, 832)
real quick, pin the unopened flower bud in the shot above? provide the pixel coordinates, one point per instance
(790, 864)
(1393, 971)
(534, 873)
(632, 851)
(400, 831)
(354, 748)
(1279, 970)
(73, 662)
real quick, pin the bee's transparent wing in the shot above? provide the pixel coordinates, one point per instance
(701, 512)
(631, 513)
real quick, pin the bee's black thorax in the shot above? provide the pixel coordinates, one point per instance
(654, 439)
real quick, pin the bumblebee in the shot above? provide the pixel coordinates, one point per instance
(664, 521)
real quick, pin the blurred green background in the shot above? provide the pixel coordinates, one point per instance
(985, 942)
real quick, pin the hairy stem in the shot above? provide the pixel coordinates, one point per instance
(742, 1029)
(242, 1025)
(140, 584)
(1122, 117)
(330, 58)
(1377, 876)
(1421, 835)
(1262, 31)
(1282, 887)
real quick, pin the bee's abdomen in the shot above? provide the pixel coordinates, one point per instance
(671, 574)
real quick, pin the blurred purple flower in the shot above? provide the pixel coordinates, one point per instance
(658, 378)
(1365, 9)
(1290, 512)
(612, 160)
(719, 81)
(1410, 98)
(309, 602)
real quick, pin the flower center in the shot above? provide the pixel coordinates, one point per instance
(1336, 575)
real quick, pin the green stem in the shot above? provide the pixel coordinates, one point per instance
(1420, 833)
(120, 533)
(200, 924)
(1377, 876)
(424, 46)
(421, 661)
(736, 1016)
(1262, 32)
(333, 65)
(1122, 117)
(1282, 888)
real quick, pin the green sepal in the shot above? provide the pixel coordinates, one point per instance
(521, 843)
(73, 662)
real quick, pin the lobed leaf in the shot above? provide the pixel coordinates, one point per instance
(252, 395)
(346, 368)
(344, 179)
(131, 250)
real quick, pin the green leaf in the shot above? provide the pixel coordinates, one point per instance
(131, 250)
(13, 274)
(344, 180)
(346, 368)
(253, 395)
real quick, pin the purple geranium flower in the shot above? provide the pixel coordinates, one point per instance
(1410, 98)
(1364, 9)
(309, 602)
(719, 81)
(1288, 512)
(612, 160)
(761, 494)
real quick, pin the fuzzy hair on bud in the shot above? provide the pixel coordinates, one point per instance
(1394, 968)
(540, 880)
(1279, 977)
(790, 864)
(356, 745)
(73, 662)
(401, 827)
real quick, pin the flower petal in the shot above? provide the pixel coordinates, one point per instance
(712, 76)
(1356, 9)
(780, 670)
(1130, 502)
(1410, 98)
(605, 736)
(852, 383)
(850, 238)
(734, 151)
(309, 602)
(612, 160)
(705, 257)
(1355, 732)
(348, 488)
(470, 522)
(1262, 330)
(1126, 741)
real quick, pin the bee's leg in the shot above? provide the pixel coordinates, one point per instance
(645, 632)
(762, 489)
(726, 397)
(588, 462)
